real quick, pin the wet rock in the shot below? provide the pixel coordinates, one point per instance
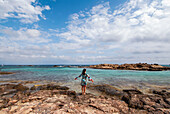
(20, 87)
(107, 89)
(12, 88)
(132, 91)
(163, 93)
(49, 87)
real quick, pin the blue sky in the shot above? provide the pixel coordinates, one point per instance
(84, 31)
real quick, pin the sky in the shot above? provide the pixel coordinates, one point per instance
(84, 31)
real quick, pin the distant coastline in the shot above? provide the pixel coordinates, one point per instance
(137, 66)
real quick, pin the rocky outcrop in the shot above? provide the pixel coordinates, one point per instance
(49, 87)
(5, 73)
(106, 89)
(156, 103)
(137, 66)
(55, 99)
(30, 65)
(6, 89)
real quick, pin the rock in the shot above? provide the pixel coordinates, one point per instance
(30, 65)
(49, 87)
(9, 91)
(3, 112)
(163, 93)
(151, 103)
(58, 99)
(13, 101)
(132, 91)
(167, 100)
(13, 108)
(6, 73)
(107, 89)
(149, 108)
(137, 66)
(24, 110)
(12, 88)
(20, 87)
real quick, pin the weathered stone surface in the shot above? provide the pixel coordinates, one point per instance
(58, 99)
(151, 103)
(12, 88)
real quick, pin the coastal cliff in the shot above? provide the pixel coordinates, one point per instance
(137, 66)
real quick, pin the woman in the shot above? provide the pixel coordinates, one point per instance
(84, 80)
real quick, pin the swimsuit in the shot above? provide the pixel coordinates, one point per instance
(84, 79)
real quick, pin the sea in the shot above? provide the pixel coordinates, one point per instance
(66, 75)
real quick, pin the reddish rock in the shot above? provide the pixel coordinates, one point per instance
(137, 66)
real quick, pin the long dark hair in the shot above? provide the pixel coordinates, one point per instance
(83, 72)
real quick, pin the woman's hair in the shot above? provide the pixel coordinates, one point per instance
(83, 72)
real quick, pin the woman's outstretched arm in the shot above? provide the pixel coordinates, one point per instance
(78, 77)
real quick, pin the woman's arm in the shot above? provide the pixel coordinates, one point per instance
(90, 79)
(78, 77)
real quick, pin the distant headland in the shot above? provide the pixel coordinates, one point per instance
(137, 66)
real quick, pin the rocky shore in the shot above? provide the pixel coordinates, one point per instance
(55, 99)
(5, 73)
(137, 66)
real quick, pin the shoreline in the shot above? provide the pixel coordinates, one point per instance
(145, 87)
(55, 98)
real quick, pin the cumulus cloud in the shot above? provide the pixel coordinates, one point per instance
(19, 45)
(137, 31)
(23, 35)
(137, 27)
(27, 11)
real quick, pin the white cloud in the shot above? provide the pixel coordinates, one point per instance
(25, 10)
(33, 33)
(136, 27)
(24, 35)
(136, 32)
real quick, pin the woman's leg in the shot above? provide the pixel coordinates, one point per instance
(82, 88)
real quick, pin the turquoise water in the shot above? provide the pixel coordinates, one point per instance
(67, 75)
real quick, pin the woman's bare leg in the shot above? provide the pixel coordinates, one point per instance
(82, 90)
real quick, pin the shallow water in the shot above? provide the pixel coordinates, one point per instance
(66, 75)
